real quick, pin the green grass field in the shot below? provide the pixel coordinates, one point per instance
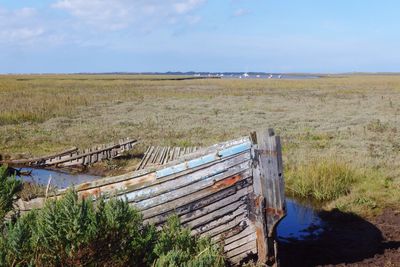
(340, 134)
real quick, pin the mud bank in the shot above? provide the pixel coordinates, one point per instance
(348, 240)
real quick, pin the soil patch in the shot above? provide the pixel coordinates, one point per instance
(348, 240)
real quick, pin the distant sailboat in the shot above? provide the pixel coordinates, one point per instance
(280, 76)
(245, 75)
(270, 76)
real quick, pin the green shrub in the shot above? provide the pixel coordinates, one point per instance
(73, 232)
(9, 187)
(175, 247)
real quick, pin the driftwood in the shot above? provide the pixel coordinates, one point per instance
(74, 157)
(156, 156)
(232, 192)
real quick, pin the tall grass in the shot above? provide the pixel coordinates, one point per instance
(321, 179)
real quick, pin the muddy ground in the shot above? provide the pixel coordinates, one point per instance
(348, 240)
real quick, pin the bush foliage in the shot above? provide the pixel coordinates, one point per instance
(73, 232)
(9, 187)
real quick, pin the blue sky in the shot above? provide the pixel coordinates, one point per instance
(55, 36)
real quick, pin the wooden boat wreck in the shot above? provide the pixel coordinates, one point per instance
(156, 156)
(74, 157)
(233, 192)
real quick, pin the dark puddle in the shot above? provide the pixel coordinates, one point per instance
(302, 222)
(59, 179)
(309, 236)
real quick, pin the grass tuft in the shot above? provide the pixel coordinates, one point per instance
(322, 179)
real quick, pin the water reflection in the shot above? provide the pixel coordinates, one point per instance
(58, 179)
(302, 222)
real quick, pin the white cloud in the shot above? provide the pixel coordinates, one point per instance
(120, 14)
(183, 7)
(19, 26)
(241, 12)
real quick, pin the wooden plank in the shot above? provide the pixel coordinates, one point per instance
(195, 208)
(273, 174)
(250, 246)
(232, 231)
(240, 242)
(229, 222)
(203, 160)
(197, 196)
(236, 260)
(184, 180)
(230, 209)
(247, 231)
(133, 184)
(236, 173)
(163, 155)
(39, 159)
(146, 157)
(226, 204)
(69, 160)
(122, 182)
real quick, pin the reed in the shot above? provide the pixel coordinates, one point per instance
(322, 179)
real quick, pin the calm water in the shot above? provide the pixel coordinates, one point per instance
(301, 222)
(58, 179)
(269, 76)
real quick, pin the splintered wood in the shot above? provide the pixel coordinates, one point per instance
(74, 157)
(156, 156)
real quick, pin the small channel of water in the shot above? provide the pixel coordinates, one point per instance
(301, 222)
(58, 179)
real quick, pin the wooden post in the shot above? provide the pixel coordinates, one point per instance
(269, 192)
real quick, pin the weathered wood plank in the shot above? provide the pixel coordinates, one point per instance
(234, 174)
(225, 204)
(135, 174)
(250, 246)
(240, 242)
(226, 223)
(207, 192)
(237, 260)
(249, 229)
(184, 180)
(229, 210)
(201, 203)
(203, 160)
(40, 159)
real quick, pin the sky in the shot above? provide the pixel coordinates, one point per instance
(69, 36)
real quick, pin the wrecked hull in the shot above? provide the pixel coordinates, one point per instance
(232, 192)
(73, 157)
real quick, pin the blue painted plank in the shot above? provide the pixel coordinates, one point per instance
(204, 160)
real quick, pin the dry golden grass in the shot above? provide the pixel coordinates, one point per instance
(354, 118)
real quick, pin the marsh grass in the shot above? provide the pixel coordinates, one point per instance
(354, 118)
(322, 179)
